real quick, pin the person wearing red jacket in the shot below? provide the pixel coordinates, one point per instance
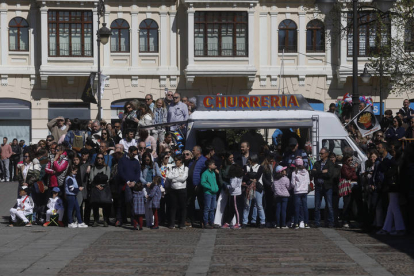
(348, 173)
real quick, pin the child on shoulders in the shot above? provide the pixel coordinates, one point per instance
(55, 205)
(23, 208)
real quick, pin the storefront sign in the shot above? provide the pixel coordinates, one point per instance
(252, 102)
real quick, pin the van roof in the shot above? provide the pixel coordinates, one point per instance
(328, 122)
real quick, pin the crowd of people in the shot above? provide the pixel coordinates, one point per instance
(135, 169)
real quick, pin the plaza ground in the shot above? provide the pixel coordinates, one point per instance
(122, 251)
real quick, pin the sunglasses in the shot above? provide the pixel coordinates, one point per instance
(99, 158)
(148, 99)
(26, 156)
(321, 153)
(49, 140)
(169, 95)
(176, 97)
(383, 135)
(141, 148)
(128, 107)
(166, 157)
(187, 154)
(117, 126)
(104, 133)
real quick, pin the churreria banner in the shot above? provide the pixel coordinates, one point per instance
(252, 102)
(367, 122)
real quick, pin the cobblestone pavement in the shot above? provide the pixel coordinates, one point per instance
(122, 251)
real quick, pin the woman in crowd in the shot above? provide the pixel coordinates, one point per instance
(348, 174)
(177, 182)
(15, 158)
(372, 195)
(224, 182)
(99, 175)
(188, 156)
(335, 190)
(254, 183)
(150, 142)
(267, 165)
(147, 117)
(396, 131)
(105, 135)
(129, 119)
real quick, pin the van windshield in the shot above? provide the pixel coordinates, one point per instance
(357, 144)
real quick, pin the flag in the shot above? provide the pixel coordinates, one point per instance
(366, 122)
(88, 96)
(103, 80)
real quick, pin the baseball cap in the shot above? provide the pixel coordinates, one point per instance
(280, 168)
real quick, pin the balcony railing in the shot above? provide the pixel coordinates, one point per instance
(120, 48)
(70, 50)
(288, 48)
(225, 51)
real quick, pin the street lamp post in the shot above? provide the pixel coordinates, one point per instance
(326, 6)
(102, 36)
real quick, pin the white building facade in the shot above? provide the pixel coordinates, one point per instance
(48, 49)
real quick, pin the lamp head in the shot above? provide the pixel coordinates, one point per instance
(325, 6)
(384, 5)
(104, 34)
(365, 76)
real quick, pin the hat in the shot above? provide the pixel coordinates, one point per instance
(23, 188)
(56, 190)
(299, 162)
(293, 141)
(84, 151)
(280, 168)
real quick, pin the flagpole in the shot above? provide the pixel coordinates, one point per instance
(357, 115)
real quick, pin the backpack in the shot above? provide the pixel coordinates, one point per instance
(78, 141)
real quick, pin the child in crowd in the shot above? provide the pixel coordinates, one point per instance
(71, 189)
(236, 199)
(300, 185)
(24, 207)
(210, 189)
(154, 198)
(55, 206)
(281, 186)
(138, 198)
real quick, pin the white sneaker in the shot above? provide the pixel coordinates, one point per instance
(73, 225)
(82, 225)
(7, 179)
(346, 225)
(2, 180)
(301, 225)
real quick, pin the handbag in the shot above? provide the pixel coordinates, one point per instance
(101, 196)
(344, 187)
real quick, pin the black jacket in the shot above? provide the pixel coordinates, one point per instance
(327, 177)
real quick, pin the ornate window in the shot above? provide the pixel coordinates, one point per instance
(148, 36)
(315, 37)
(374, 34)
(288, 36)
(70, 33)
(221, 34)
(120, 36)
(409, 36)
(18, 34)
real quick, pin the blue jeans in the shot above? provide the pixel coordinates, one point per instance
(209, 207)
(73, 204)
(258, 206)
(301, 200)
(281, 206)
(319, 193)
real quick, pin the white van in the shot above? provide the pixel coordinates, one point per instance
(269, 112)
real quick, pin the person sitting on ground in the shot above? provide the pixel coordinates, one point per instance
(24, 207)
(55, 206)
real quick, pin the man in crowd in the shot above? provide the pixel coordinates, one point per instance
(82, 178)
(57, 127)
(245, 154)
(177, 111)
(406, 111)
(129, 140)
(118, 133)
(332, 108)
(14, 159)
(22, 144)
(404, 121)
(168, 99)
(185, 100)
(294, 152)
(322, 172)
(103, 148)
(6, 153)
(386, 121)
(149, 101)
(194, 189)
(119, 148)
(96, 132)
(129, 173)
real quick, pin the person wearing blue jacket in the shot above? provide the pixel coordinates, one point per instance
(194, 189)
(71, 190)
(129, 173)
(396, 131)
